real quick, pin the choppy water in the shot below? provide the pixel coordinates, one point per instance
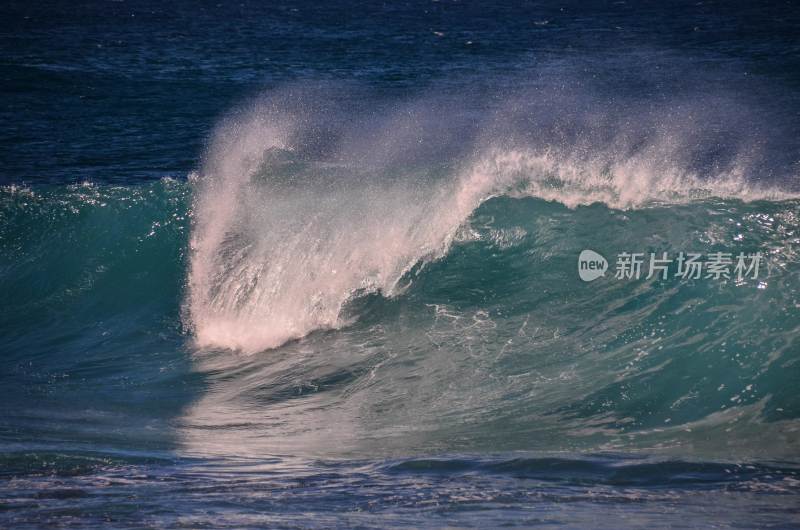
(316, 266)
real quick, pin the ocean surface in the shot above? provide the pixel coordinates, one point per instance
(295, 265)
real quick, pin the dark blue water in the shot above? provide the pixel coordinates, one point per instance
(308, 265)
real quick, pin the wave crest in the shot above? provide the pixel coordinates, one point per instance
(301, 204)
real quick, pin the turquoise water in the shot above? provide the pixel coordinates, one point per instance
(496, 386)
(311, 266)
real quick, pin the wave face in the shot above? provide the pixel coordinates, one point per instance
(478, 336)
(498, 346)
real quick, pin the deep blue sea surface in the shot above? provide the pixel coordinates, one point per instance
(309, 265)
